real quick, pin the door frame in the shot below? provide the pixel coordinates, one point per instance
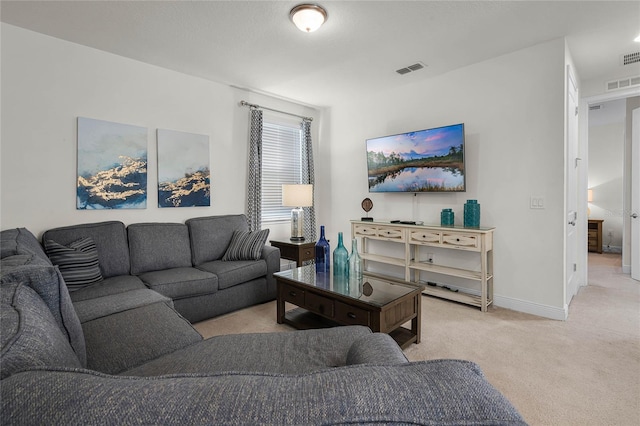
(583, 178)
(573, 223)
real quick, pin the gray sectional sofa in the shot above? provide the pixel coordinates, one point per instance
(180, 261)
(94, 356)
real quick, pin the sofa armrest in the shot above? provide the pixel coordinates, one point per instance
(271, 255)
(432, 392)
(375, 348)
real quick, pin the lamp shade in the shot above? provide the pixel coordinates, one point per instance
(297, 195)
(308, 17)
(590, 195)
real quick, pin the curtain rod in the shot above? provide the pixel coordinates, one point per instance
(244, 103)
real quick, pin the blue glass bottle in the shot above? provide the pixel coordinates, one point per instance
(340, 259)
(323, 253)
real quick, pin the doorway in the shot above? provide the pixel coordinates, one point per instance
(609, 174)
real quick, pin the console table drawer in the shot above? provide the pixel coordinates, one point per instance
(466, 241)
(425, 237)
(319, 304)
(363, 230)
(293, 295)
(352, 315)
(395, 234)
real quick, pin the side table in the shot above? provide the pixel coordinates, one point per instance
(300, 251)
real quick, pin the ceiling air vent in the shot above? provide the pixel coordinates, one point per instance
(623, 83)
(630, 58)
(414, 67)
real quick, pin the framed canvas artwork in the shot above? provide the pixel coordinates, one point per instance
(183, 169)
(112, 165)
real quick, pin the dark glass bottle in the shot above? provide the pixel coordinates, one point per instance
(323, 253)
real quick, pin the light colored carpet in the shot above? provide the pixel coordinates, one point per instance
(583, 371)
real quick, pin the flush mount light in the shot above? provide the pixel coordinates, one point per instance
(637, 39)
(308, 17)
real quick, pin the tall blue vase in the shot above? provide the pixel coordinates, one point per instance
(340, 259)
(323, 253)
(472, 214)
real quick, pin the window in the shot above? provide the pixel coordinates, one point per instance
(281, 164)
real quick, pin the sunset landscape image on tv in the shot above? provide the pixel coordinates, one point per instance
(430, 160)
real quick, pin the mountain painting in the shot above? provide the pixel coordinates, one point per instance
(112, 165)
(183, 169)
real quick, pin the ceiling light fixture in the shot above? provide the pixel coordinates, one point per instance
(637, 39)
(308, 17)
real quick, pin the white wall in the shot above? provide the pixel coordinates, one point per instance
(513, 110)
(512, 107)
(47, 83)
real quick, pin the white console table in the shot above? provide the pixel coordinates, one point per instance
(416, 240)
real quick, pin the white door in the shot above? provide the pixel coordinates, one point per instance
(635, 195)
(571, 252)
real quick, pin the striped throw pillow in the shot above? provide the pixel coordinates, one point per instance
(246, 245)
(78, 263)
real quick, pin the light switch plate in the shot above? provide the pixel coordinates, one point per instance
(536, 202)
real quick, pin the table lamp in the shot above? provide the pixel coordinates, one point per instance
(297, 196)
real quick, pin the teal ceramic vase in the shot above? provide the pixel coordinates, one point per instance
(472, 214)
(447, 217)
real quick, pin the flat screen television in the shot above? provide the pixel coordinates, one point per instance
(430, 160)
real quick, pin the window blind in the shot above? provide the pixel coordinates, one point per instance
(281, 164)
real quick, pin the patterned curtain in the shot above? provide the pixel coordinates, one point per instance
(308, 178)
(254, 181)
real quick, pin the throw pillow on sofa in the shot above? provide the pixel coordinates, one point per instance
(78, 262)
(246, 245)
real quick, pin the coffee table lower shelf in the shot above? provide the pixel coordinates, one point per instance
(303, 319)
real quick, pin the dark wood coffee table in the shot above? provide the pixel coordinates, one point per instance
(380, 303)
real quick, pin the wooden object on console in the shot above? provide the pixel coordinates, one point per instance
(416, 239)
(595, 235)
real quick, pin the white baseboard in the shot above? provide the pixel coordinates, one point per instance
(532, 308)
(524, 306)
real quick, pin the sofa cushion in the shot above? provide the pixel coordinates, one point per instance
(158, 246)
(131, 337)
(110, 239)
(246, 245)
(108, 286)
(48, 283)
(211, 235)
(286, 352)
(91, 309)
(235, 272)
(78, 262)
(178, 283)
(31, 337)
(20, 241)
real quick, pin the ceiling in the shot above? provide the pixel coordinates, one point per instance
(253, 44)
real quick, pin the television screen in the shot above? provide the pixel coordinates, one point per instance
(430, 160)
